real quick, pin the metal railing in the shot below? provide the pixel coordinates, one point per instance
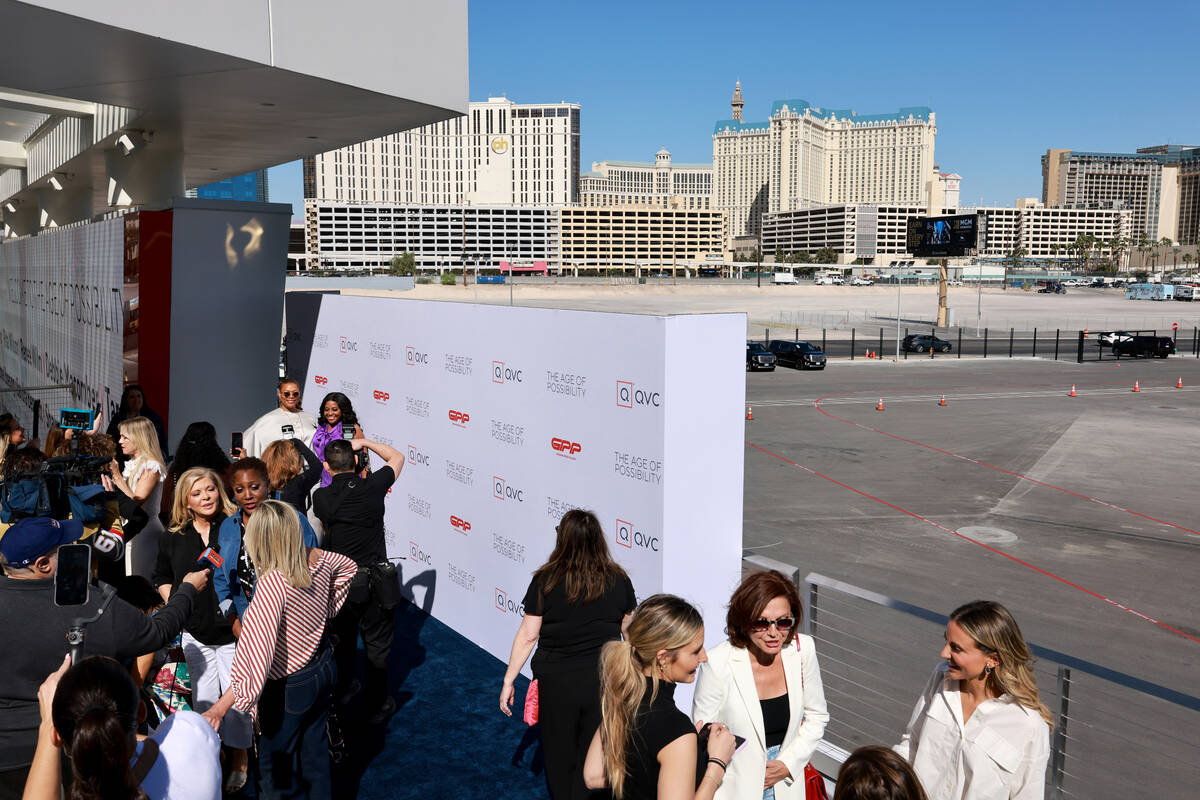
(1115, 735)
(40, 403)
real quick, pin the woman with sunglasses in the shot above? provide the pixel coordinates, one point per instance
(764, 683)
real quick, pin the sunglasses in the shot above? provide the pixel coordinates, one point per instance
(290, 394)
(782, 624)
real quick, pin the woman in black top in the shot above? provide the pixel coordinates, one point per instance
(577, 601)
(293, 470)
(645, 746)
(200, 507)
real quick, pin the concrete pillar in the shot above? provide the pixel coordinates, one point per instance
(58, 208)
(25, 221)
(151, 175)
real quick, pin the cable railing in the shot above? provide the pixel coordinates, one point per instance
(1115, 735)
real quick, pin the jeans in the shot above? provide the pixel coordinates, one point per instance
(772, 754)
(293, 751)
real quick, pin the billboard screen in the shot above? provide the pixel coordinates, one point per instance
(937, 237)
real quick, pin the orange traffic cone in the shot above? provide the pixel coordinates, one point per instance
(1136, 388)
(942, 402)
(749, 413)
(1072, 394)
(1179, 383)
(880, 406)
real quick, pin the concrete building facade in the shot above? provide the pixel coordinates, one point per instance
(661, 184)
(627, 238)
(500, 153)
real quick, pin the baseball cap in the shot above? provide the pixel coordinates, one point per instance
(29, 539)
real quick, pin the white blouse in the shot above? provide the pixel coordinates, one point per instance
(1000, 753)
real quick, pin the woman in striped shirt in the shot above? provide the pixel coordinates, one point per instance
(283, 670)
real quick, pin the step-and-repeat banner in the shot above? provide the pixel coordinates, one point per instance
(509, 417)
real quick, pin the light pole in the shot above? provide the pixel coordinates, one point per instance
(758, 257)
(899, 284)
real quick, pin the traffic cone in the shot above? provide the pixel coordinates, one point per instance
(880, 406)
(942, 402)
(1136, 388)
(749, 413)
(1072, 394)
(1179, 383)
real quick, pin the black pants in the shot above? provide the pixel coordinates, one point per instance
(376, 626)
(569, 714)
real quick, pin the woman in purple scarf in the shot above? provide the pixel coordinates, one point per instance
(336, 411)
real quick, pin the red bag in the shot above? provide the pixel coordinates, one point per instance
(814, 784)
(531, 703)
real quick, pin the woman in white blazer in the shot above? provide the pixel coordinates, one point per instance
(765, 685)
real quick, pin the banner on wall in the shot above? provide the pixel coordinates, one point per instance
(509, 417)
(62, 315)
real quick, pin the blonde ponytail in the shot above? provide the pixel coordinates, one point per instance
(660, 622)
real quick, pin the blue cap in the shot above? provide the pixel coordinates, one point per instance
(29, 539)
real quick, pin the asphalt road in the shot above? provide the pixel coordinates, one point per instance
(1076, 513)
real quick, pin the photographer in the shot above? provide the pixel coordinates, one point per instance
(29, 552)
(351, 509)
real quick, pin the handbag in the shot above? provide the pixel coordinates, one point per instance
(531, 703)
(814, 782)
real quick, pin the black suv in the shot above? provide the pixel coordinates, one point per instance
(920, 342)
(1053, 287)
(1157, 346)
(800, 355)
(758, 357)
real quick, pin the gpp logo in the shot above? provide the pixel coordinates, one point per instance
(501, 490)
(503, 374)
(459, 524)
(320, 380)
(416, 554)
(565, 447)
(414, 357)
(415, 456)
(506, 606)
(459, 418)
(629, 536)
(381, 397)
(629, 396)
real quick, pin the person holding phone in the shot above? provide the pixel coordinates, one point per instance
(764, 683)
(36, 631)
(133, 404)
(200, 507)
(141, 479)
(287, 421)
(337, 419)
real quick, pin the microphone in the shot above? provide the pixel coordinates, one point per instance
(288, 431)
(210, 558)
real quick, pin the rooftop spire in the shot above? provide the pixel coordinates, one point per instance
(737, 103)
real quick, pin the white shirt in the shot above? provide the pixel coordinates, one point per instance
(999, 754)
(188, 766)
(269, 428)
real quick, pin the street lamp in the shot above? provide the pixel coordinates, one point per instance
(758, 256)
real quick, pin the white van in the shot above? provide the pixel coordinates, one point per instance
(781, 278)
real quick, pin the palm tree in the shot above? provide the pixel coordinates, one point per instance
(1187, 259)
(1054, 248)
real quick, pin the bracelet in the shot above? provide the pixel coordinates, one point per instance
(718, 762)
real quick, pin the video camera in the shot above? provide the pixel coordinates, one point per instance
(66, 486)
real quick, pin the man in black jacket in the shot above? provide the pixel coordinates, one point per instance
(36, 630)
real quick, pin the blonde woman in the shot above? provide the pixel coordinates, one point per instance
(645, 746)
(199, 508)
(979, 731)
(142, 480)
(284, 670)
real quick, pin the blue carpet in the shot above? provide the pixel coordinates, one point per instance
(448, 737)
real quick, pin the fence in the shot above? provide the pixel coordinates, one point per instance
(1059, 344)
(1115, 735)
(37, 406)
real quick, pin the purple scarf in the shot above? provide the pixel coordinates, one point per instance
(325, 434)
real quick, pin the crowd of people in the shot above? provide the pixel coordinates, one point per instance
(606, 669)
(261, 568)
(223, 631)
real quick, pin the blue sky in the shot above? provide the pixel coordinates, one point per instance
(1006, 80)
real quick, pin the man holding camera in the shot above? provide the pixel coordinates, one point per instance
(351, 509)
(37, 629)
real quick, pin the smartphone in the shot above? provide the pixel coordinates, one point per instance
(235, 443)
(79, 419)
(703, 734)
(347, 431)
(72, 575)
(289, 431)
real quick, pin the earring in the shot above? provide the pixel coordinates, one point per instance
(987, 669)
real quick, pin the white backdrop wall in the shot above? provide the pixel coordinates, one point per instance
(508, 417)
(61, 316)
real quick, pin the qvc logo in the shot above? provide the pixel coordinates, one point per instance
(503, 374)
(506, 606)
(565, 447)
(346, 345)
(381, 397)
(320, 380)
(415, 456)
(415, 553)
(459, 418)
(459, 524)
(413, 357)
(629, 536)
(502, 491)
(628, 396)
